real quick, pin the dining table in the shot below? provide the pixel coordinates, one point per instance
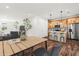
(10, 48)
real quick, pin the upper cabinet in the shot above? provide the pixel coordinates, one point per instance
(71, 21)
(77, 20)
(63, 23)
(52, 23)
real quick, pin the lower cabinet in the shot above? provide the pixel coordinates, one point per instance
(58, 36)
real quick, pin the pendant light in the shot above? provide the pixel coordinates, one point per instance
(61, 14)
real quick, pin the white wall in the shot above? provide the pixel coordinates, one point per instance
(39, 26)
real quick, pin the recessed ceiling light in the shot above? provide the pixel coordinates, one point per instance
(7, 7)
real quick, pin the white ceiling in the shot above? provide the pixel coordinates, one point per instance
(22, 10)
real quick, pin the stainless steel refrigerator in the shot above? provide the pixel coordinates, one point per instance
(75, 31)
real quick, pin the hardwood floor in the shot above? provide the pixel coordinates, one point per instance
(73, 41)
(70, 48)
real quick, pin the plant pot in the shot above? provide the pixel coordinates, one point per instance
(23, 37)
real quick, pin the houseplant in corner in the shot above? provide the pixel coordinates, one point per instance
(27, 24)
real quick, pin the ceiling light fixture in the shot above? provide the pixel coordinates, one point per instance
(61, 14)
(50, 15)
(7, 7)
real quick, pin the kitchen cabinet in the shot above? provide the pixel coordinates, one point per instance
(76, 20)
(71, 21)
(58, 36)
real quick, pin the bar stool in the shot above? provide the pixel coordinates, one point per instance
(55, 50)
(40, 52)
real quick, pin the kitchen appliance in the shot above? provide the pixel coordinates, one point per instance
(57, 28)
(75, 31)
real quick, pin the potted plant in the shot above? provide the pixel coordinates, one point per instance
(16, 24)
(27, 24)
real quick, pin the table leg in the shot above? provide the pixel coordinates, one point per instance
(31, 52)
(46, 45)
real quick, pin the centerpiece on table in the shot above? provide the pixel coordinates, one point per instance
(27, 24)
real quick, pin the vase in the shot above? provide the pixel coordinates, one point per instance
(23, 37)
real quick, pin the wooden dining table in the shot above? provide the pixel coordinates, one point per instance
(10, 49)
